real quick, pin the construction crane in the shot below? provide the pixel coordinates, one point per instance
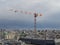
(25, 12)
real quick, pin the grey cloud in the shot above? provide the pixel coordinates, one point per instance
(48, 8)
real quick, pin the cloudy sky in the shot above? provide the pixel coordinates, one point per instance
(50, 9)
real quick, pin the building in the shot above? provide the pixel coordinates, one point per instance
(10, 35)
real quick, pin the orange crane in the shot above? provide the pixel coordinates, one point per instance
(25, 12)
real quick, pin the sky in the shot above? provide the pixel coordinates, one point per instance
(50, 10)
